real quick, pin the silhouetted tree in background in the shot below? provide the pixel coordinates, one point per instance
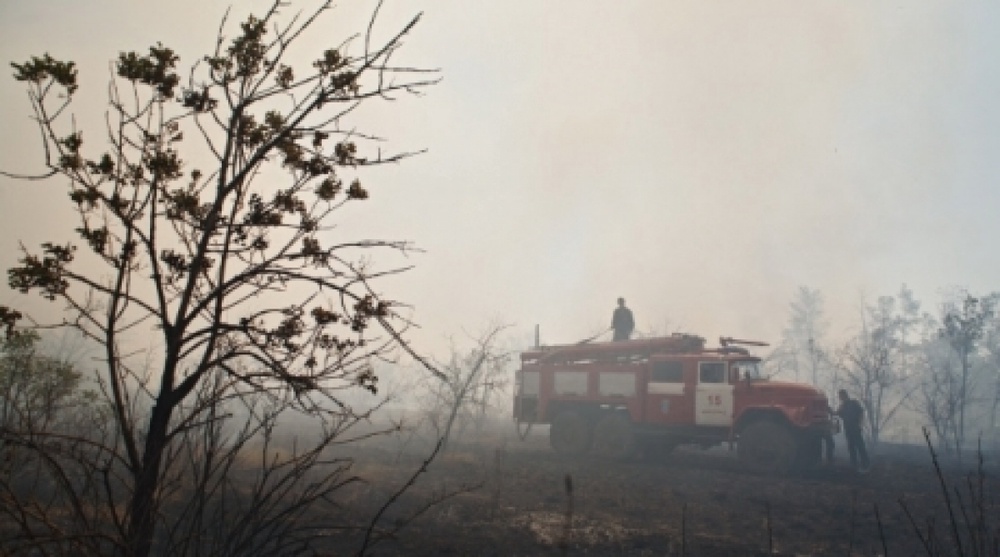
(802, 347)
(36, 389)
(939, 393)
(467, 384)
(964, 325)
(991, 344)
(874, 360)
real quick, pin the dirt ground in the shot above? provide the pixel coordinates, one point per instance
(694, 502)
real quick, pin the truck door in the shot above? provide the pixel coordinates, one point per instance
(713, 404)
(667, 395)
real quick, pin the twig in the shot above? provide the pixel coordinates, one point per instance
(923, 541)
(980, 501)
(395, 496)
(568, 524)
(499, 459)
(944, 490)
(684, 510)
(965, 516)
(850, 539)
(770, 532)
(881, 532)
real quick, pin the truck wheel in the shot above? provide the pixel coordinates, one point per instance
(613, 437)
(658, 449)
(810, 452)
(570, 433)
(767, 446)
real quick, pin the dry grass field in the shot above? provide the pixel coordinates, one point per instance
(699, 503)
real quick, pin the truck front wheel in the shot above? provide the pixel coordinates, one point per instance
(810, 451)
(767, 446)
(570, 433)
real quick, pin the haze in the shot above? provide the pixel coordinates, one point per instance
(701, 159)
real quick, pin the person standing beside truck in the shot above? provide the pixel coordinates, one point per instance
(851, 412)
(622, 322)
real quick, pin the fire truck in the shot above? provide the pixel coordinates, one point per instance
(650, 395)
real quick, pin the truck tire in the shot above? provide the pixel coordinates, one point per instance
(810, 452)
(767, 446)
(658, 449)
(613, 437)
(570, 433)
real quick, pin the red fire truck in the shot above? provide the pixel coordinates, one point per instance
(651, 395)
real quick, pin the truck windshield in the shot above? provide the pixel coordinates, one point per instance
(748, 370)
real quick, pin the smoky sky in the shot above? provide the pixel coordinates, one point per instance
(701, 159)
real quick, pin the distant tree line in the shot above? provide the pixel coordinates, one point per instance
(940, 369)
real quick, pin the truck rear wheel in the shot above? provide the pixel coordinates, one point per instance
(767, 446)
(570, 433)
(613, 437)
(658, 449)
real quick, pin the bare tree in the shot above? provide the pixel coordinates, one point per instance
(207, 214)
(938, 396)
(467, 384)
(873, 360)
(964, 324)
(803, 340)
(991, 343)
(36, 390)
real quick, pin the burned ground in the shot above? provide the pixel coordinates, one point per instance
(691, 503)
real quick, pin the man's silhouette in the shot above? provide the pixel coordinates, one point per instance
(622, 321)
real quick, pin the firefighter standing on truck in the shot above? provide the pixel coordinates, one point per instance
(622, 321)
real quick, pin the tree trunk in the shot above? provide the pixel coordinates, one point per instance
(960, 438)
(996, 403)
(142, 509)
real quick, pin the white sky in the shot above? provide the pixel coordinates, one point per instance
(703, 159)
